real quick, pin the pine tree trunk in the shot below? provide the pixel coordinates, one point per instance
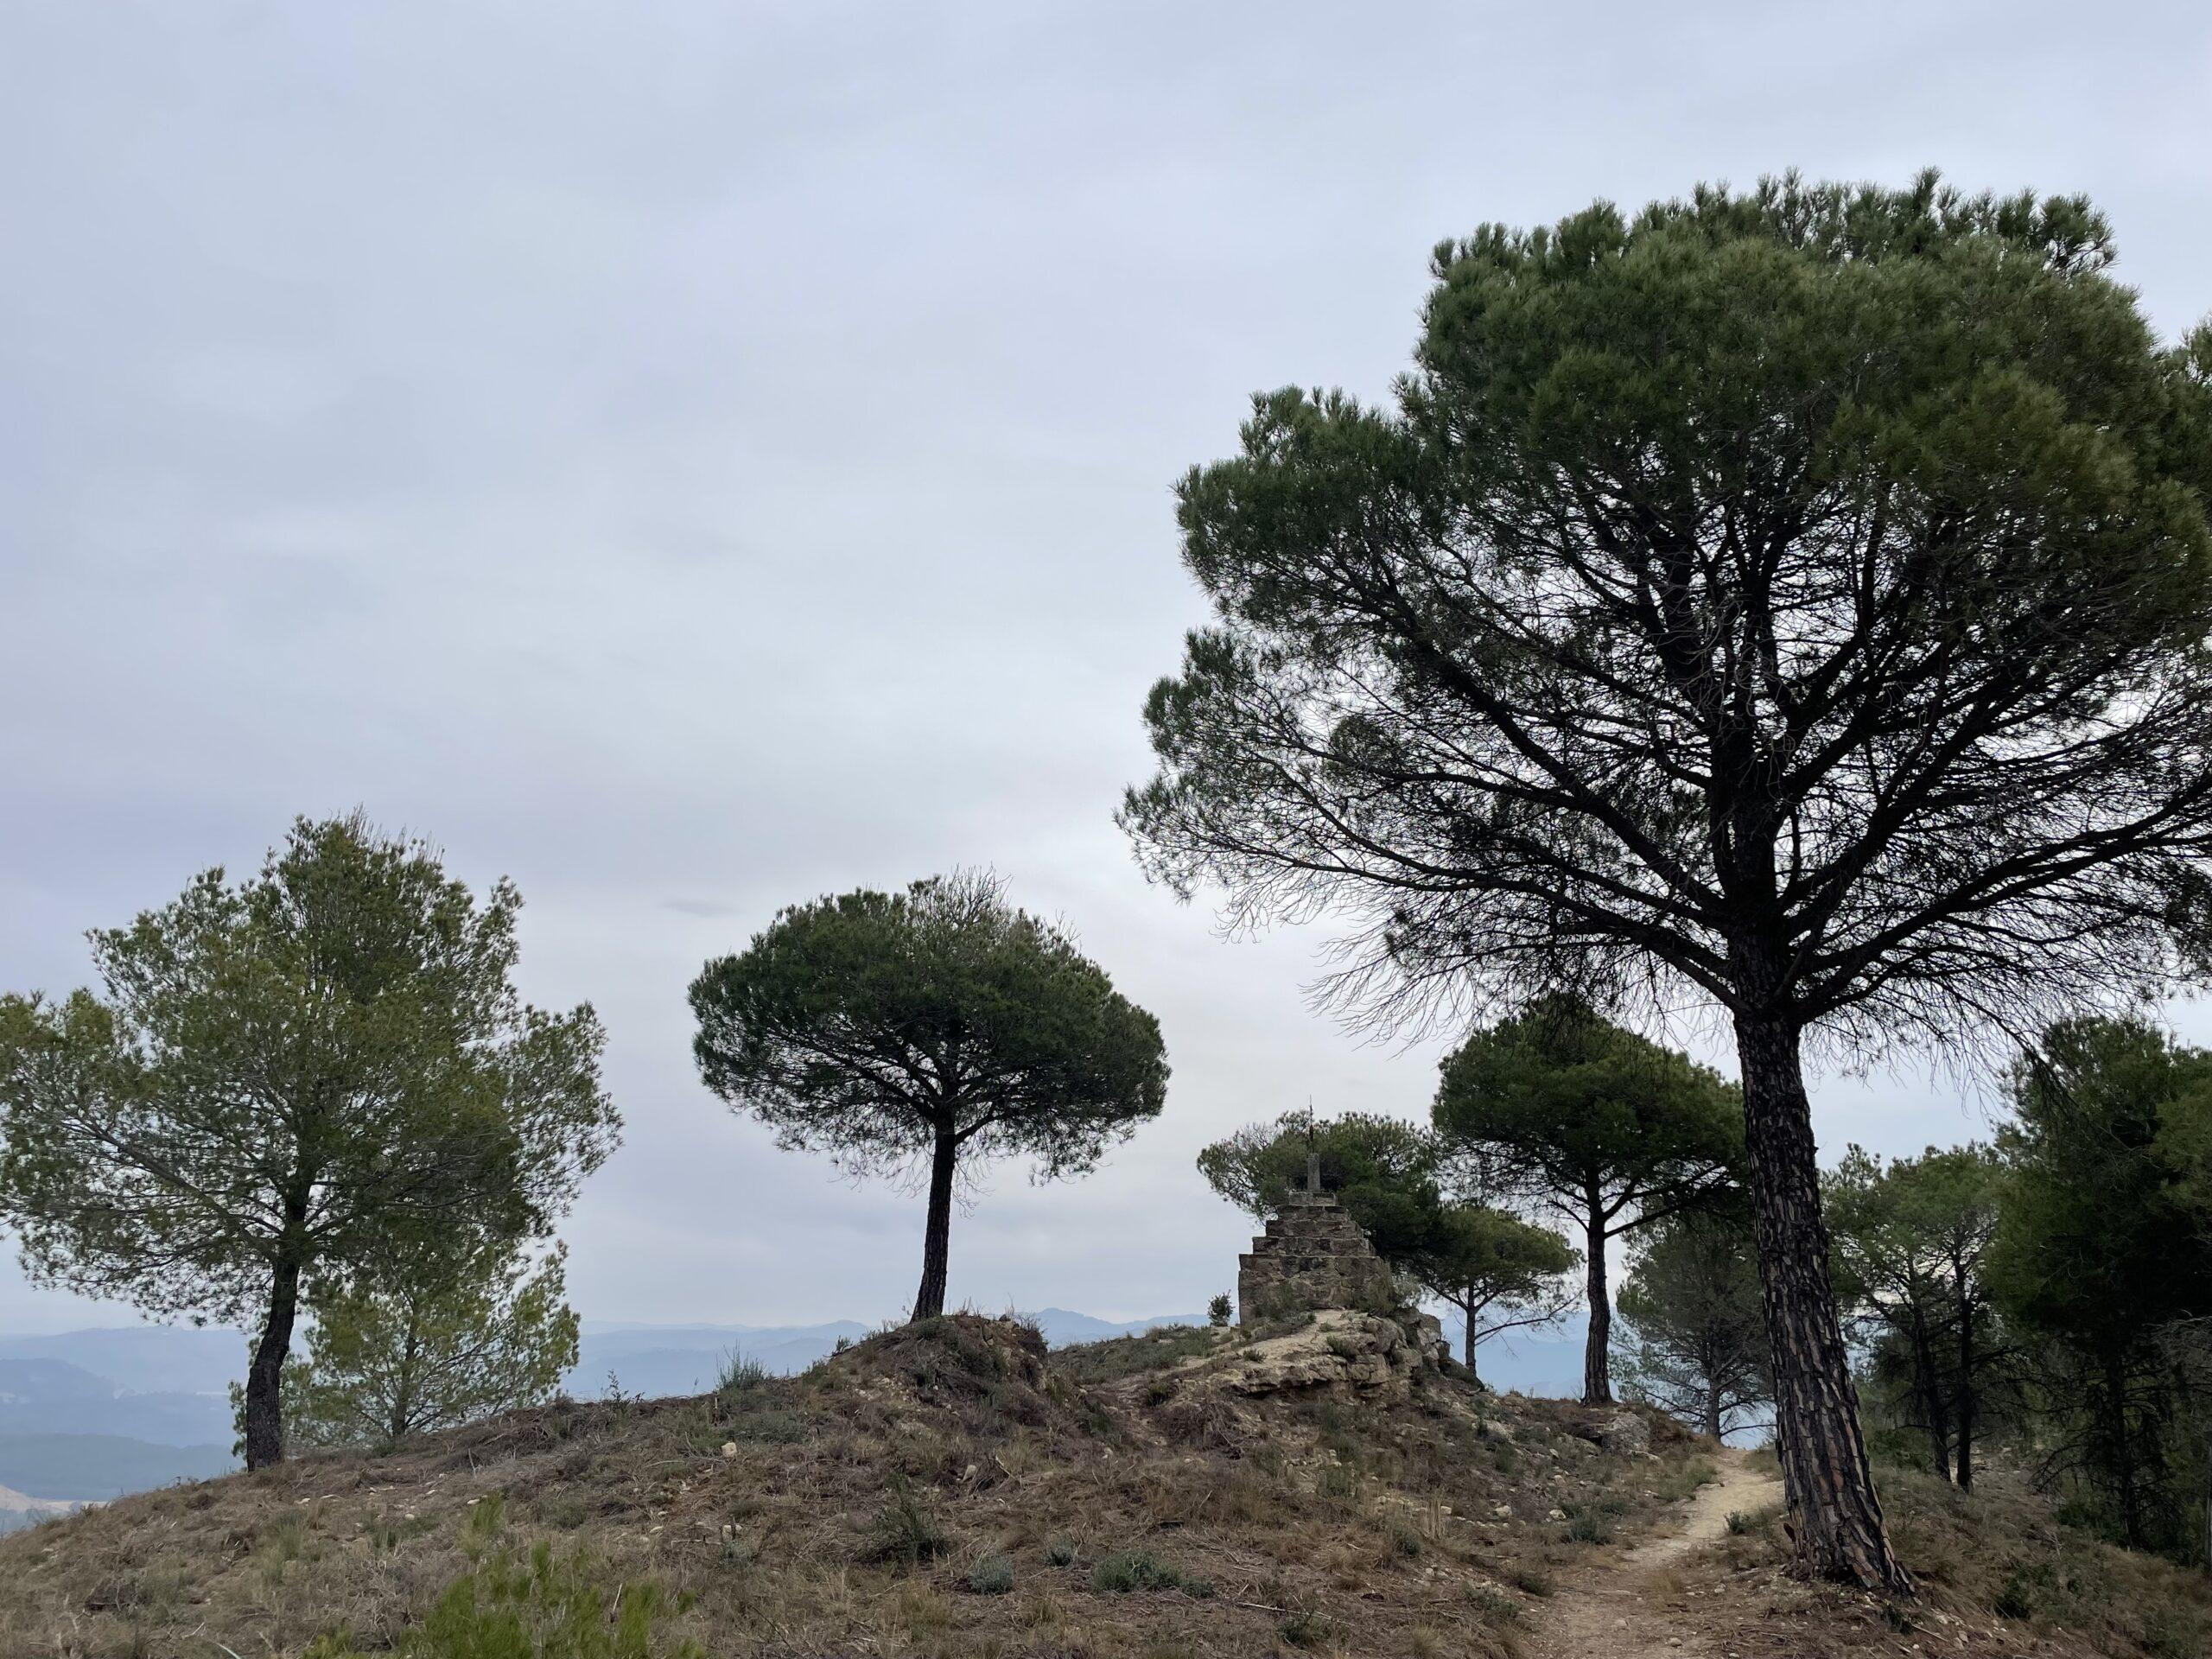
(1712, 1412)
(1467, 1338)
(1836, 1518)
(1597, 1353)
(265, 1409)
(1927, 1385)
(937, 1235)
(1966, 1388)
(2121, 1449)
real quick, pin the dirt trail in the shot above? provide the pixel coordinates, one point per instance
(1619, 1611)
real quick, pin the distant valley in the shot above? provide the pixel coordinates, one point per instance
(86, 1415)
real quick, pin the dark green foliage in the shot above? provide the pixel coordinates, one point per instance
(1601, 1128)
(1129, 1570)
(1911, 1238)
(1382, 1170)
(1498, 1270)
(1696, 1340)
(1220, 1310)
(300, 1077)
(1792, 601)
(537, 1605)
(939, 1026)
(2103, 1260)
(430, 1339)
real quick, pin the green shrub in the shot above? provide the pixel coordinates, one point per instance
(1529, 1580)
(992, 1576)
(1493, 1607)
(536, 1607)
(1308, 1628)
(1589, 1526)
(740, 1375)
(1130, 1570)
(1061, 1552)
(906, 1531)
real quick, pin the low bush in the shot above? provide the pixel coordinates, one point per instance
(906, 1531)
(1130, 1570)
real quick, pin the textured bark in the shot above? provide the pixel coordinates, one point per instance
(1836, 1520)
(937, 1235)
(1713, 1410)
(1597, 1353)
(265, 1409)
(1467, 1338)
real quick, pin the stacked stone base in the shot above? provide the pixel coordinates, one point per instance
(1312, 1256)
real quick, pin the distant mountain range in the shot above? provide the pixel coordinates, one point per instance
(91, 1415)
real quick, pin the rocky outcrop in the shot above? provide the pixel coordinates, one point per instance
(1625, 1434)
(1343, 1348)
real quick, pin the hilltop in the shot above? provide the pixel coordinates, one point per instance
(952, 1488)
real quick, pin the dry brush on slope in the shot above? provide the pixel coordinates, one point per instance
(944, 1489)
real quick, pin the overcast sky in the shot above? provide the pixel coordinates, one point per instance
(693, 457)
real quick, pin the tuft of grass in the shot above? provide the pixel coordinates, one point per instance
(1591, 1524)
(1129, 1570)
(539, 1605)
(1304, 1628)
(1160, 1349)
(1684, 1480)
(486, 1516)
(992, 1576)
(1061, 1552)
(906, 1531)
(740, 1375)
(1529, 1578)
(1493, 1607)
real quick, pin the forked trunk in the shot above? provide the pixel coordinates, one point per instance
(264, 1377)
(1597, 1365)
(937, 1235)
(1836, 1518)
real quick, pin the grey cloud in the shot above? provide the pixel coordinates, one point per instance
(724, 451)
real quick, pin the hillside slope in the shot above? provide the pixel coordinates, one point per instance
(953, 1489)
(942, 1489)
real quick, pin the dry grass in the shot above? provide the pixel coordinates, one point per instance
(941, 1490)
(1998, 1576)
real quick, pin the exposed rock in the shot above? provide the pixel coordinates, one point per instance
(1625, 1434)
(1342, 1348)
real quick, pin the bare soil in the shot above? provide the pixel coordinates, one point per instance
(1632, 1605)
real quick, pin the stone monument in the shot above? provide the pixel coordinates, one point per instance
(1312, 1256)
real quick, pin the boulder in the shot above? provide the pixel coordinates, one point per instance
(1340, 1348)
(1625, 1434)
